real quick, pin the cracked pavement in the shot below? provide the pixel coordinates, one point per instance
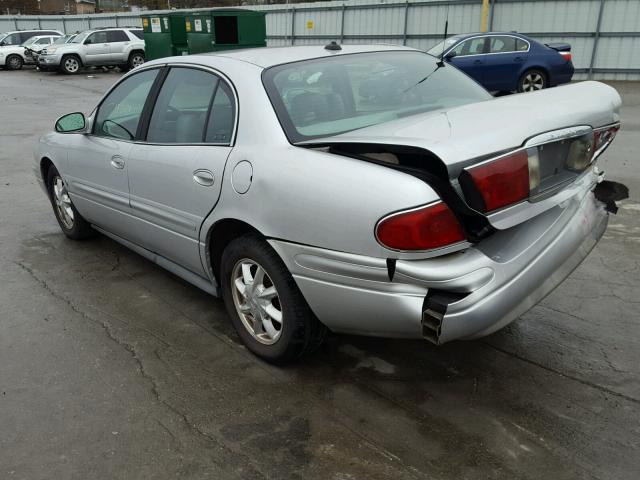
(112, 368)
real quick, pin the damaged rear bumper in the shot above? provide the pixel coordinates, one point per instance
(462, 295)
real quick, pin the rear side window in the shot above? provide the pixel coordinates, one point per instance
(221, 117)
(119, 113)
(138, 33)
(116, 36)
(180, 112)
(24, 36)
(13, 39)
(521, 45)
(474, 46)
(502, 44)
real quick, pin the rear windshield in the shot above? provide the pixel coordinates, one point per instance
(329, 96)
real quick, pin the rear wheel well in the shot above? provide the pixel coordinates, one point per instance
(221, 234)
(133, 52)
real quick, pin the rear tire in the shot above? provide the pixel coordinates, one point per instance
(14, 62)
(73, 225)
(70, 64)
(135, 60)
(255, 301)
(532, 81)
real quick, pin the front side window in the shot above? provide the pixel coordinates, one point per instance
(116, 36)
(97, 37)
(329, 96)
(119, 114)
(181, 110)
(502, 44)
(474, 46)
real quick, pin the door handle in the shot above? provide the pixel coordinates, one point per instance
(203, 177)
(518, 59)
(117, 162)
(477, 62)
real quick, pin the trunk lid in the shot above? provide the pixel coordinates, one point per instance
(467, 135)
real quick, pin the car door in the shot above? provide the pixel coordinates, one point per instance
(97, 50)
(503, 64)
(470, 57)
(118, 43)
(96, 166)
(175, 176)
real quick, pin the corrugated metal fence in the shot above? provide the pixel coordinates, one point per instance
(604, 34)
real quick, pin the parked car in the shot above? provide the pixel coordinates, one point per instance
(508, 61)
(262, 176)
(12, 53)
(68, 38)
(103, 47)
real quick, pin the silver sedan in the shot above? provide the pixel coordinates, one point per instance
(362, 189)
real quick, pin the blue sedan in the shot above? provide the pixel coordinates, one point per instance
(507, 61)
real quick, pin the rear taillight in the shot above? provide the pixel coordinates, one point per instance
(566, 55)
(423, 228)
(503, 181)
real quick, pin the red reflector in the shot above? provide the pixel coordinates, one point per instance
(504, 181)
(429, 227)
(566, 56)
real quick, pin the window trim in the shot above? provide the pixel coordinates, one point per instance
(144, 124)
(488, 37)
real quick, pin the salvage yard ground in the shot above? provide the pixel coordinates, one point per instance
(112, 368)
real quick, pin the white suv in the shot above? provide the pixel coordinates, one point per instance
(122, 47)
(12, 53)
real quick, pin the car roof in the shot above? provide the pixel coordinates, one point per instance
(270, 56)
(463, 36)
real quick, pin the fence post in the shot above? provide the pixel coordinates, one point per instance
(116, 17)
(64, 26)
(344, 7)
(39, 24)
(596, 38)
(89, 21)
(293, 25)
(15, 22)
(491, 7)
(404, 28)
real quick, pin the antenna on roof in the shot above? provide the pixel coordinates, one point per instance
(440, 63)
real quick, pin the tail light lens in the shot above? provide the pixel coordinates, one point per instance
(503, 181)
(566, 56)
(424, 228)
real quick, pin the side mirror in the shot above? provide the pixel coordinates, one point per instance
(72, 122)
(450, 55)
(2, 43)
(88, 41)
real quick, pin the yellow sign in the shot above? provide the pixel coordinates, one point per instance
(309, 24)
(188, 25)
(145, 22)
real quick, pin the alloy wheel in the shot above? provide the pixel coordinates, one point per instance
(532, 81)
(257, 301)
(62, 202)
(71, 65)
(137, 60)
(14, 63)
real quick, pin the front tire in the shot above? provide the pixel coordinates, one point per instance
(532, 81)
(70, 64)
(265, 304)
(73, 225)
(14, 62)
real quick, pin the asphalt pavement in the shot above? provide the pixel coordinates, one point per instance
(112, 368)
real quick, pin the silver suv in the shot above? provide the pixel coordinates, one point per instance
(122, 47)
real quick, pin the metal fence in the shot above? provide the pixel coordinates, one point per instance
(604, 34)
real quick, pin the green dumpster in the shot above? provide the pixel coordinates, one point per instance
(165, 35)
(225, 29)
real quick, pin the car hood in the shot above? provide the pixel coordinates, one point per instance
(462, 134)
